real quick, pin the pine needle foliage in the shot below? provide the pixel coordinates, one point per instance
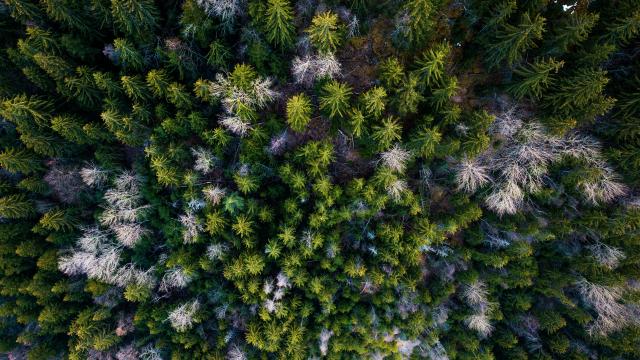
(245, 179)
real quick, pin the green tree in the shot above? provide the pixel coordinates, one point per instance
(580, 96)
(16, 207)
(128, 55)
(298, 112)
(420, 21)
(158, 81)
(408, 95)
(218, 55)
(83, 88)
(512, 41)
(535, 78)
(374, 101)
(137, 18)
(325, 32)
(625, 29)
(335, 98)
(26, 112)
(20, 160)
(387, 133)
(71, 127)
(279, 23)
(431, 65)
(58, 220)
(135, 88)
(574, 30)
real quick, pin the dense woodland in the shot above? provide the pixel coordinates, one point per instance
(356, 179)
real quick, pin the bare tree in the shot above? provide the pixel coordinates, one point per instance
(396, 158)
(182, 317)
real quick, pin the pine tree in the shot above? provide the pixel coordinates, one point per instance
(82, 88)
(625, 29)
(56, 67)
(335, 98)
(325, 32)
(535, 77)
(575, 30)
(158, 81)
(72, 16)
(418, 20)
(135, 88)
(218, 55)
(16, 207)
(127, 54)
(512, 41)
(391, 72)
(136, 18)
(20, 160)
(279, 23)
(374, 101)
(70, 127)
(426, 140)
(431, 65)
(58, 220)
(581, 95)
(26, 112)
(387, 133)
(408, 95)
(298, 112)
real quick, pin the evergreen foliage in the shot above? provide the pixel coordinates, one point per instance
(245, 179)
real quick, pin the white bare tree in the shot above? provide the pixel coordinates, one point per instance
(129, 234)
(396, 158)
(226, 10)
(606, 301)
(205, 161)
(325, 336)
(214, 194)
(480, 323)
(150, 352)
(174, 278)
(182, 318)
(94, 176)
(396, 188)
(520, 165)
(191, 227)
(308, 69)
(607, 256)
(216, 251)
(471, 175)
(236, 125)
(236, 353)
(128, 352)
(475, 293)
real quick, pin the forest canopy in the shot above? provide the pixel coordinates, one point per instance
(339, 179)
